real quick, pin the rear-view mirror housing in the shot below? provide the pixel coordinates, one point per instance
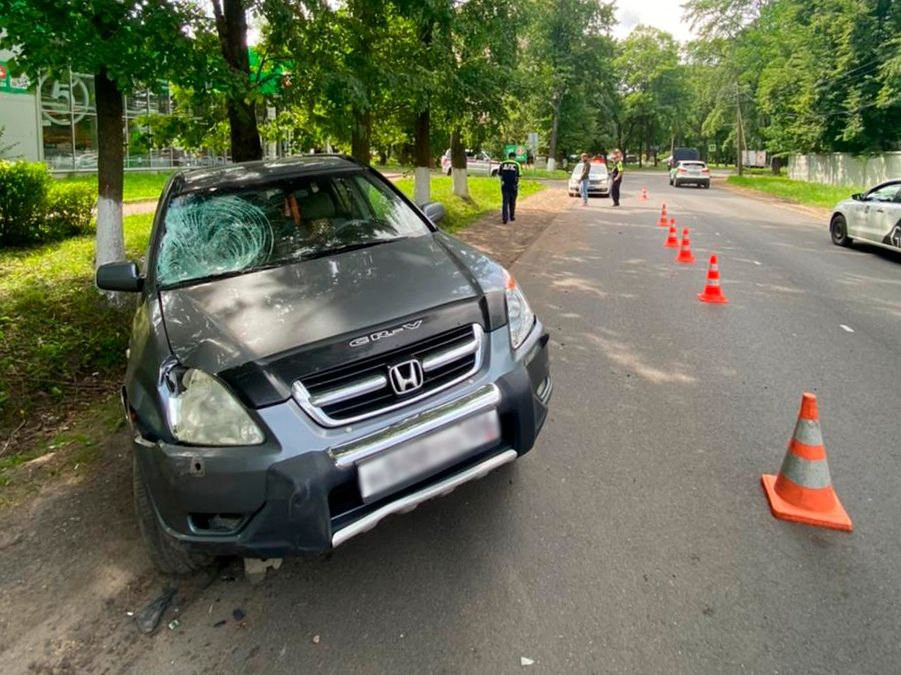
(858, 197)
(119, 276)
(434, 211)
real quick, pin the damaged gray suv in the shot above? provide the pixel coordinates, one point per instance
(310, 355)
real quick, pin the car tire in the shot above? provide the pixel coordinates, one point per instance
(494, 173)
(707, 185)
(838, 230)
(169, 555)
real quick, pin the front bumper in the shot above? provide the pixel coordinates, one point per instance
(298, 494)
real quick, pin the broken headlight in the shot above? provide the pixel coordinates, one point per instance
(203, 412)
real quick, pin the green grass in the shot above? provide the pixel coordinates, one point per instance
(556, 174)
(139, 185)
(800, 192)
(485, 197)
(56, 332)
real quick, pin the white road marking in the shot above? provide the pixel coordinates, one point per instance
(757, 262)
(846, 328)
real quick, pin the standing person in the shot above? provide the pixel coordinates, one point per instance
(509, 172)
(617, 176)
(585, 178)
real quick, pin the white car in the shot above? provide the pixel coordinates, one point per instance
(690, 172)
(478, 163)
(598, 180)
(873, 217)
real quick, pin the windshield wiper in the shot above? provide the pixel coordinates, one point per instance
(321, 253)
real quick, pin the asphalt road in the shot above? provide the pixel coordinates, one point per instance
(635, 537)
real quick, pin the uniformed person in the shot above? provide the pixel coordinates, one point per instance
(509, 172)
(617, 176)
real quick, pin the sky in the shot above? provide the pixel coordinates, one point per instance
(663, 14)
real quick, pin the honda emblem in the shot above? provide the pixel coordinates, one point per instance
(406, 377)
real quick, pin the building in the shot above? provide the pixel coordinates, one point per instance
(54, 120)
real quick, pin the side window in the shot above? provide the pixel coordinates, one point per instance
(883, 194)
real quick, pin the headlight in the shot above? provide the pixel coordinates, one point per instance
(519, 315)
(203, 412)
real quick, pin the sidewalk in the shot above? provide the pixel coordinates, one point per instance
(505, 243)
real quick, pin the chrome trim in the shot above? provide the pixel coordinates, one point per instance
(545, 389)
(449, 356)
(413, 500)
(338, 394)
(302, 396)
(483, 398)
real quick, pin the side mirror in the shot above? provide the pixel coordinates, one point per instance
(119, 276)
(857, 197)
(434, 212)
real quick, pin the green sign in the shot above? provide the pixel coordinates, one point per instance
(10, 84)
(520, 150)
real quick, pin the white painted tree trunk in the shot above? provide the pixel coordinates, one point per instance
(551, 163)
(461, 185)
(110, 240)
(421, 180)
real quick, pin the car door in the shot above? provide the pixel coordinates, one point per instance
(880, 213)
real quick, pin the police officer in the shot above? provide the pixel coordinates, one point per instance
(509, 172)
(617, 176)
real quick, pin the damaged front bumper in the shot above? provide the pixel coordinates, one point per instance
(298, 493)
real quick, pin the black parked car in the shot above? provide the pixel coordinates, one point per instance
(311, 355)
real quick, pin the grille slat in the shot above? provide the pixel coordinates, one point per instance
(372, 403)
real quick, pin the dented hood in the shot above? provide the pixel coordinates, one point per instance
(225, 323)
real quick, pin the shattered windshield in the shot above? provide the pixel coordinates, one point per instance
(212, 233)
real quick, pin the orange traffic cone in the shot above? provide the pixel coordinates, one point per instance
(672, 241)
(685, 255)
(644, 194)
(712, 291)
(802, 492)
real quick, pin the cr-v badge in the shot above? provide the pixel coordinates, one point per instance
(382, 334)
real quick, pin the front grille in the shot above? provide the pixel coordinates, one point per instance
(364, 389)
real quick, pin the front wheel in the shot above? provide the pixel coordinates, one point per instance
(838, 228)
(168, 554)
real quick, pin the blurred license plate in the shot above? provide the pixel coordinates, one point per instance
(404, 465)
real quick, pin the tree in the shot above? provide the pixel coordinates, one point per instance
(231, 26)
(652, 87)
(561, 52)
(123, 44)
(475, 92)
(808, 75)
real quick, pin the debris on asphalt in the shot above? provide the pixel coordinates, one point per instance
(239, 614)
(219, 624)
(525, 661)
(315, 639)
(149, 617)
(175, 623)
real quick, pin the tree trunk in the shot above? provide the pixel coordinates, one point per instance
(458, 164)
(360, 138)
(552, 145)
(776, 165)
(231, 26)
(423, 158)
(110, 142)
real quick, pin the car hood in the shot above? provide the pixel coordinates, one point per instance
(225, 323)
